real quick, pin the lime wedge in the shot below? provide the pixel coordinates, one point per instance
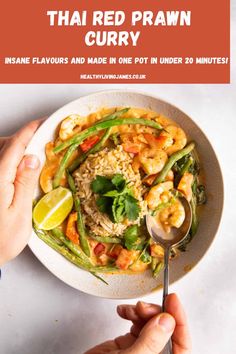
(53, 208)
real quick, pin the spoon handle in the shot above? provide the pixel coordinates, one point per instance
(168, 347)
(166, 276)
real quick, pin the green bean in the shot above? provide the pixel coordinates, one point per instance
(157, 266)
(65, 252)
(113, 115)
(58, 234)
(172, 160)
(106, 239)
(80, 137)
(158, 269)
(98, 277)
(93, 149)
(63, 165)
(80, 223)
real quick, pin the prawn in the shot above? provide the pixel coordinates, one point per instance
(68, 125)
(49, 168)
(177, 139)
(132, 142)
(173, 215)
(148, 180)
(152, 160)
(185, 185)
(159, 194)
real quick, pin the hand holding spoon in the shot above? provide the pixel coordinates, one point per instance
(167, 241)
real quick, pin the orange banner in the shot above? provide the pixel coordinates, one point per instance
(117, 41)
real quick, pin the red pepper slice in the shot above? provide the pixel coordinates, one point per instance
(89, 143)
(99, 249)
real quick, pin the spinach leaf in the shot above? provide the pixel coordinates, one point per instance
(201, 195)
(146, 257)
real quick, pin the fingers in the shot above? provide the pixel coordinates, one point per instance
(106, 347)
(25, 182)
(140, 311)
(3, 141)
(154, 335)
(126, 341)
(139, 314)
(14, 150)
(128, 312)
(146, 310)
(113, 346)
(181, 337)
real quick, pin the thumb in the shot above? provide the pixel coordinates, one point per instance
(26, 179)
(154, 335)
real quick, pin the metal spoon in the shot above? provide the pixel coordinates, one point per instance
(167, 241)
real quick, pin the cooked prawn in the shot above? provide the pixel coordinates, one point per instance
(152, 160)
(158, 142)
(148, 180)
(185, 185)
(68, 125)
(159, 194)
(49, 168)
(173, 215)
(177, 139)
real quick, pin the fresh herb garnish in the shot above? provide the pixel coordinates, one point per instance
(101, 185)
(132, 239)
(115, 198)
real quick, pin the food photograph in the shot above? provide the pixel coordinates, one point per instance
(117, 177)
(111, 162)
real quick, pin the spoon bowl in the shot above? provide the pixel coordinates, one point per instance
(176, 235)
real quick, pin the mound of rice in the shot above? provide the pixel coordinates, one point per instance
(107, 163)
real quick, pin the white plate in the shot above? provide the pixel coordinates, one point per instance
(133, 286)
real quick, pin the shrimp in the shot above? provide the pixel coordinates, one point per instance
(68, 125)
(148, 180)
(177, 139)
(152, 160)
(173, 215)
(49, 168)
(136, 165)
(185, 185)
(159, 194)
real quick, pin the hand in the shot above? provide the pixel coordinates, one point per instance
(151, 330)
(18, 178)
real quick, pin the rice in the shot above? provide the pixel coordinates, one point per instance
(107, 163)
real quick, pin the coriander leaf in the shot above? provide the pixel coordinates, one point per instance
(103, 204)
(101, 185)
(131, 236)
(132, 208)
(119, 182)
(113, 194)
(118, 209)
(119, 214)
(132, 232)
